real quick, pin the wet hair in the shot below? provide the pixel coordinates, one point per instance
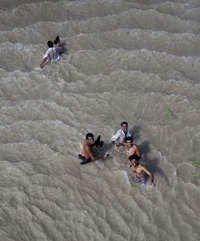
(134, 157)
(89, 135)
(129, 138)
(124, 123)
(50, 44)
(57, 40)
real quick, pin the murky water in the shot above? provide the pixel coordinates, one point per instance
(134, 61)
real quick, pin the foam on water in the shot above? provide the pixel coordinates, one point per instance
(123, 61)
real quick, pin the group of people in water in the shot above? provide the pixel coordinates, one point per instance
(122, 138)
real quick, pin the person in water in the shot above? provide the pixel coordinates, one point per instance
(53, 53)
(86, 150)
(131, 148)
(140, 171)
(120, 136)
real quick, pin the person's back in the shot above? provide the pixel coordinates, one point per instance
(52, 54)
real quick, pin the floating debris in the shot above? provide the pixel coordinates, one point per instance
(196, 163)
(107, 118)
(169, 113)
(196, 175)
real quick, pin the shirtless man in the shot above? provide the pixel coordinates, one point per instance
(140, 171)
(86, 150)
(131, 148)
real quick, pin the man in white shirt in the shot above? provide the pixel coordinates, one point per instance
(52, 54)
(120, 136)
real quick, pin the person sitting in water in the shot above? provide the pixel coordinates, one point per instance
(140, 171)
(131, 148)
(86, 149)
(53, 53)
(121, 134)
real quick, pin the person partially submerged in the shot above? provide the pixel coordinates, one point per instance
(120, 136)
(131, 149)
(53, 53)
(86, 150)
(140, 171)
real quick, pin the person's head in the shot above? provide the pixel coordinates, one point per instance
(90, 137)
(129, 140)
(134, 159)
(124, 126)
(50, 44)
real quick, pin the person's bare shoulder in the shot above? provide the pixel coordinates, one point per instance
(142, 166)
(88, 147)
(135, 147)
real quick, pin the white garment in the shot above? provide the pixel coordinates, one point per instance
(52, 54)
(118, 137)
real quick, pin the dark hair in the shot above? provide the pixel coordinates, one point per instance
(57, 40)
(133, 157)
(129, 138)
(124, 123)
(50, 44)
(89, 135)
